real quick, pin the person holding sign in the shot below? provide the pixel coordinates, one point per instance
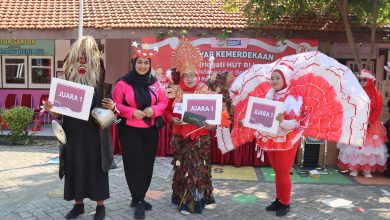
(281, 148)
(372, 156)
(191, 185)
(321, 99)
(87, 152)
(140, 99)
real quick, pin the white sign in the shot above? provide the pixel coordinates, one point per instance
(178, 108)
(71, 99)
(207, 105)
(261, 113)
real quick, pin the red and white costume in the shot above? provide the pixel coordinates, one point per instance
(372, 155)
(323, 100)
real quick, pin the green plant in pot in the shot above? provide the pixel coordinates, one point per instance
(17, 120)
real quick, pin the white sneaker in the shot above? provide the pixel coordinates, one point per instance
(354, 173)
(367, 175)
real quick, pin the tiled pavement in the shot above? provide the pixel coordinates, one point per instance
(31, 189)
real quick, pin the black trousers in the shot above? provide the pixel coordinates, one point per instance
(138, 147)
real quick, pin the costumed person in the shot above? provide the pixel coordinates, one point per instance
(164, 132)
(161, 76)
(321, 99)
(140, 100)
(191, 185)
(164, 146)
(372, 155)
(387, 126)
(282, 147)
(87, 154)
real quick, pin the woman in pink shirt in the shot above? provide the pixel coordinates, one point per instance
(139, 98)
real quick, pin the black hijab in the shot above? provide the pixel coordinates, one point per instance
(140, 84)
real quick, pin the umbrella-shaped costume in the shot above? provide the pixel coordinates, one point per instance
(334, 106)
(321, 99)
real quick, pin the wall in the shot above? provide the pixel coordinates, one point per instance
(117, 58)
(62, 48)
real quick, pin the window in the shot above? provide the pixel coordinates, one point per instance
(14, 71)
(40, 71)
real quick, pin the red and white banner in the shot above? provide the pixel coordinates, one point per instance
(233, 54)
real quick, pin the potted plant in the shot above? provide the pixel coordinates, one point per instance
(17, 120)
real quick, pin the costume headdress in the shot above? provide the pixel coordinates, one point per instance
(186, 57)
(366, 74)
(83, 62)
(285, 71)
(387, 68)
(144, 51)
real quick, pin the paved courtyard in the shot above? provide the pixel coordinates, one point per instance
(30, 189)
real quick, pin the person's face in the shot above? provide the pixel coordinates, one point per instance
(142, 66)
(159, 73)
(363, 82)
(276, 81)
(189, 79)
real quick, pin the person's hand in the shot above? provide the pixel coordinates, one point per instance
(209, 126)
(47, 106)
(279, 118)
(108, 103)
(241, 123)
(149, 112)
(176, 121)
(138, 114)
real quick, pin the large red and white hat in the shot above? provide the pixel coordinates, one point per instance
(366, 74)
(143, 50)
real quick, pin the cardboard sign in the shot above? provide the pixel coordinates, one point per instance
(71, 99)
(261, 114)
(207, 105)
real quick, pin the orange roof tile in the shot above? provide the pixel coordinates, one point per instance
(62, 14)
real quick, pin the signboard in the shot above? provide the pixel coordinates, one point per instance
(261, 113)
(233, 54)
(27, 47)
(71, 99)
(207, 105)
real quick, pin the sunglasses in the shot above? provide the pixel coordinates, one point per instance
(362, 80)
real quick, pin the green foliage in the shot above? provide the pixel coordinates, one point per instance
(266, 12)
(160, 35)
(224, 34)
(183, 33)
(17, 120)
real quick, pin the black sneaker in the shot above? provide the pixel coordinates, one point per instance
(148, 206)
(282, 210)
(139, 212)
(198, 207)
(274, 206)
(77, 210)
(100, 212)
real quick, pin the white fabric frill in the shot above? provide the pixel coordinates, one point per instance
(372, 154)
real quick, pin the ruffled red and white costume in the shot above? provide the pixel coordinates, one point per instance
(372, 155)
(323, 100)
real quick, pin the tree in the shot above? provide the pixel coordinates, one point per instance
(366, 14)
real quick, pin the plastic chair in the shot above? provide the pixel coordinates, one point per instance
(46, 116)
(10, 101)
(26, 101)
